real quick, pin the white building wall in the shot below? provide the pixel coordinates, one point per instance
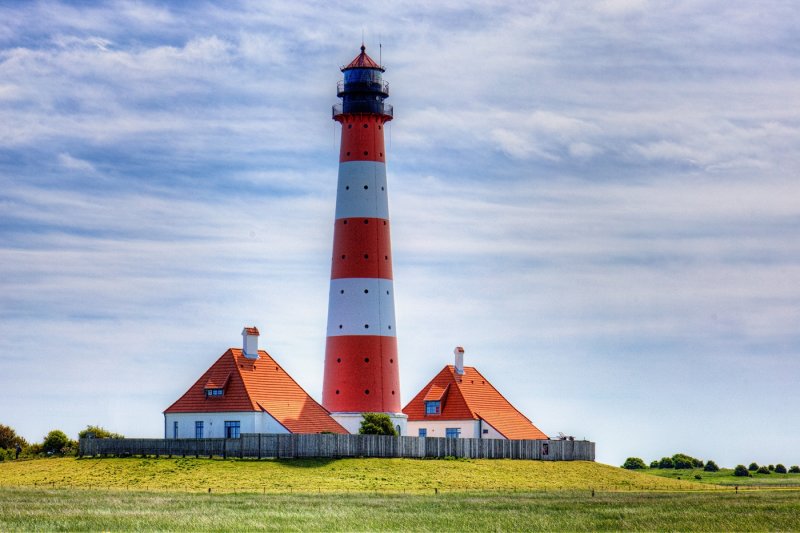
(214, 423)
(488, 432)
(470, 429)
(436, 428)
(352, 422)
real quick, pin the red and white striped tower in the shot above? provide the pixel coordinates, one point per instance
(361, 365)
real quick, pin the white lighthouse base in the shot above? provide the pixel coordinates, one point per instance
(352, 421)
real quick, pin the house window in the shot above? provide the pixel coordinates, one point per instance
(545, 448)
(198, 429)
(433, 408)
(452, 433)
(232, 429)
(485, 431)
(423, 432)
(213, 392)
(175, 430)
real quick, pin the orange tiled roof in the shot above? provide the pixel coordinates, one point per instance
(214, 381)
(469, 398)
(362, 60)
(257, 385)
(435, 393)
(251, 331)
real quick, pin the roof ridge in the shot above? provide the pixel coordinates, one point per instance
(250, 398)
(452, 370)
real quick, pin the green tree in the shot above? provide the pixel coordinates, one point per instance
(753, 467)
(771, 468)
(780, 469)
(666, 462)
(9, 438)
(654, 464)
(794, 469)
(376, 424)
(55, 442)
(634, 463)
(683, 461)
(99, 433)
(711, 466)
(741, 471)
(763, 470)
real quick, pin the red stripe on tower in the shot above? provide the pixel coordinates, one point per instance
(361, 365)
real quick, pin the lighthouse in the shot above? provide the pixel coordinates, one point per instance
(361, 362)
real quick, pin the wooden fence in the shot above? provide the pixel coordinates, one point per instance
(291, 446)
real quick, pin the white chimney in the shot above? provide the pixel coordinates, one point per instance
(459, 353)
(250, 342)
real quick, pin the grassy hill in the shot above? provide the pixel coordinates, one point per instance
(725, 477)
(319, 475)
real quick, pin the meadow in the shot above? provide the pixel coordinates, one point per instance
(326, 475)
(372, 494)
(725, 477)
(87, 510)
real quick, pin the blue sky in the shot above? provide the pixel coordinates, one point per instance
(599, 200)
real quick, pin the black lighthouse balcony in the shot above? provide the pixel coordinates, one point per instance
(378, 108)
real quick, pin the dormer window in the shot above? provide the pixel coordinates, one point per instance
(213, 392)
(433, 408)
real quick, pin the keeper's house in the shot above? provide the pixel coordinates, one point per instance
(460, 402)
(245, 391)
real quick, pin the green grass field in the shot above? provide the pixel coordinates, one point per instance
(92, 510)
(373, 494)
(725, 477)
(315, 475)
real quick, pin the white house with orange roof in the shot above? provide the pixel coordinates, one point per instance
(460, 403)
(246, 391)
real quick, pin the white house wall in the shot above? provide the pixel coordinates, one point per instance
(436, 428)
(469, 428)
(490, 432)
(214, 423)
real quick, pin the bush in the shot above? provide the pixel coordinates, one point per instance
(9, 438)
(780, 469)
(99, 433)
(763, 470)
(683, 461)
(654, 464)
(794, 470)
(376, 424)
(666, 462)
(753, 467)
(771, 468)
(711, 466)
(56, 442)
(740, 471)
(634, 463)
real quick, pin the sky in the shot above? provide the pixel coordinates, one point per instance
(599, 200)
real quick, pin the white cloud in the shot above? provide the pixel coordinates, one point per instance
(73, 163)
(605, 186)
